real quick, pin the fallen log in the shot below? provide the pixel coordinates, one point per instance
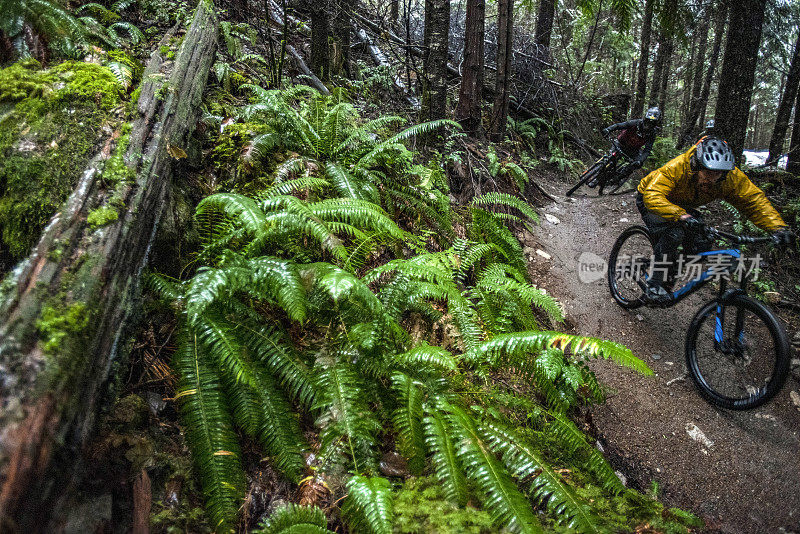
(64, 311)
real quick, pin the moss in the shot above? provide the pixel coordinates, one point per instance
(57, 322)
(100, 217)
(55, 124)
(420, 506)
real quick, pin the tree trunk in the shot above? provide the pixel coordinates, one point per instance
(394, 12)
(341, 37)
(52, 389)
(665, 72)
(793, 159)
(434, 79)
(699, 104)
(738, 71)
(544, 26)
(505, 39)
(692, 66)
(320, 30)
(470, 96)
(658, 69)
(644, 59)
(785, 107)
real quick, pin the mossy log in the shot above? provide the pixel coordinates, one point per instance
(64, 310)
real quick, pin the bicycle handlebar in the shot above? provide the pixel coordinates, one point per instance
(735, 238)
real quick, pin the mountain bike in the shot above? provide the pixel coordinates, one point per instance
(737, 352)
(604, 171)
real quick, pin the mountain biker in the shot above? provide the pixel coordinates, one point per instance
(666, 198)
(707, 132)
(636, 140)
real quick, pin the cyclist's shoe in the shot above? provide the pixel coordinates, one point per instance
(656, 295)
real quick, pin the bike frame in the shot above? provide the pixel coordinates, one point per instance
(705, 277)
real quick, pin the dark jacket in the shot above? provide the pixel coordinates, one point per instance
(633, 141)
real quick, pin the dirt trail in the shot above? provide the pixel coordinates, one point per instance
(741, 471)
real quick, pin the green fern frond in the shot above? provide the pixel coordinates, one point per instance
(209, 433)
(135, 35)
(369, 505)
(548, 487)
(295, 519)
(122, 72)
(504, 199)
(429, 358)
(446, 463)
(407, 419)
(522, 343)
(346, 422)
(505, 502)
(575, 441)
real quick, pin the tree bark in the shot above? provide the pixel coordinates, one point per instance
(52, 391)
(692, 66)
(505, 39)
(435, 48)
(665, 72)
(320, 31)
(644, 59)
(394, 12)
(699, 104)
(785, 107)
(470, 97)
(738, 71)
(793, 159)
(544, 26)
(341, 36)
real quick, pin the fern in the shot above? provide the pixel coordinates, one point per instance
(295, 519)
(209, 433)
(369, 504)
(506, 503)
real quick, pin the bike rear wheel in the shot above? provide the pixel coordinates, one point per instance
(590, 173)
(737, 353)
(628, 265)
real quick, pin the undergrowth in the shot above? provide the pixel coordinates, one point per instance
(337, 290)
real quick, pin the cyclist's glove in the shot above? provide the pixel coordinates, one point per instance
(783, 237)
(695, 225)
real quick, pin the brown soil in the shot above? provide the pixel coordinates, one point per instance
(748, 480)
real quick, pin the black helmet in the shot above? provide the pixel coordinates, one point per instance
(710, 124)
(653, 116)
(714, 154)
(652, 119)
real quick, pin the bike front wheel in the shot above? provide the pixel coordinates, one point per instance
(737, 353)
(590, 173)
(628, 266)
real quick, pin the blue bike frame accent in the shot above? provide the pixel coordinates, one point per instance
(693, 285)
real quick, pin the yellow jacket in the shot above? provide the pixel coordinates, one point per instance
(671, 190)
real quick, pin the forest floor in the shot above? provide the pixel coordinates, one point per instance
(739, 471)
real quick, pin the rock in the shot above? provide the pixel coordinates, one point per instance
(796, 339)
(543, 254)
(394, 465)
(599, 446)
(639, 317)
(795, 362)
(624, 203)
(624, 219)
(622, 478)
(795, 399)
(696, 434)
(655, 356)
(552, 218)
(529, 251)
